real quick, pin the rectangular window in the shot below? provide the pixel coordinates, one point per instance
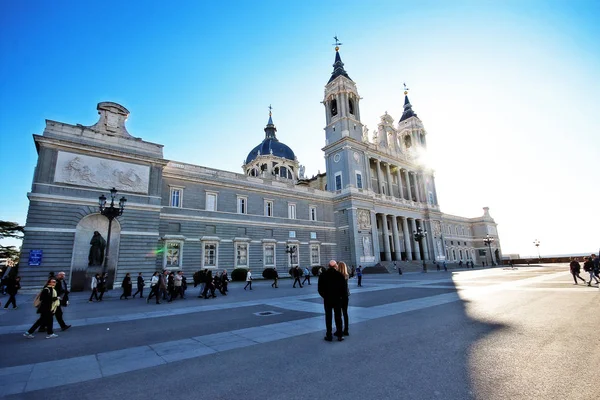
(292, 234)
(268, 232)
(211, 202)
(210, 254)
(430, 198)
(175, 197)
(269, 254)
(313, 235)
(172, 255)
(241, 257)
(268, 208)
(338, 181)
(315, 258)
(242, 204)
(359, 180)
(292, 211)
(211, 229)
(313, 213)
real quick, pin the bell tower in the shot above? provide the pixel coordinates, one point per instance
(344, 148)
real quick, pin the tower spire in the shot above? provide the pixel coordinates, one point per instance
(338, 65)
(408, 112)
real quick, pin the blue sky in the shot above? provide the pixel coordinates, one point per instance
(508, 91)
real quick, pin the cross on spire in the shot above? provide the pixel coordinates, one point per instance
(406, 89)
(270, 108)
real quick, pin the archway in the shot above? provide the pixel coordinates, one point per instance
(81, 272)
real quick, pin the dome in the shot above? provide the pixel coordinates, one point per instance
(269, 145)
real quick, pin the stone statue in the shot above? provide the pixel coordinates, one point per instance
(96, 256)
(301, 172)
(366, 246)
(365, 134)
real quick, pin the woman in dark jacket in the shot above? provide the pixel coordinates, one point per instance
(343, 269)
(171, 286)
(12, 287)
(126, 285)
(575, 269)
(49, 302)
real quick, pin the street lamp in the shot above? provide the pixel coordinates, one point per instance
(419, 235)
(488, 242)
(536, 243)
(291, 250)
(111, 212)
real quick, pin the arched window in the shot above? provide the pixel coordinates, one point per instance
(351, 106)
(407, 141)
(333, 107)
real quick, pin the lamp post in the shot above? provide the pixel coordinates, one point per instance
(536, 243)
(111, 212)
(291, 250)
(488, 242)
(419, 235)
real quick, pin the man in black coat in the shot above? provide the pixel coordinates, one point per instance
(62, 292)
(331, 289)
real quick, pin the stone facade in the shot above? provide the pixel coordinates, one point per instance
(364, 209)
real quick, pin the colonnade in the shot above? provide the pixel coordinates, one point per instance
(405, 226)
(411, 184)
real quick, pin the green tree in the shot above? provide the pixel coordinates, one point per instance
(10, 230)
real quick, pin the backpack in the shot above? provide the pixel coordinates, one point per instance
(37, 300)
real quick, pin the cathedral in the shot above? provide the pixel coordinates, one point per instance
(376, 204)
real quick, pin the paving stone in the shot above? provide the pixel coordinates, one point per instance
(63, 372)
(119, 361)
(181, 349)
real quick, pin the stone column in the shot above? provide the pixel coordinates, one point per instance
(413, 225)
(379, 176)
(397, 249)
(417, 191)
(400, 190)
(368, 173)
(407, 176)
(386, 238)
(407, 241)
(375, 236)
(389, 180)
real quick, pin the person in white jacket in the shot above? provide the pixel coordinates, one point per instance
(94, 287)
(154, 288)
(248, 280)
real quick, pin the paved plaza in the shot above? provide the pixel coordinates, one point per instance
(482, 334)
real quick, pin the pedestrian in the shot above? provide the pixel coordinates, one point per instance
(248, 280)
(359, 275)
(94, 287)
(154, 287)
(575, 270)
(209, 285)
(296, 274)
(140, 286)
(48, 304)
(102, 285)
(306, 275)
(171, 286)
(275, 278)
(178, 281)
(224, 282)
(399, 270)
(126, 285)
(437, 266)
(596, 262)
(162, 284)
(588, 266)
(352, 272)
(343, 269)
(331, 288)
(12, 287)
(183, 284)
(445, 267)
(62, 292)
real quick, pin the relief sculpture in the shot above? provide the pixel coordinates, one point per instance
(364, 219)
(96, 172)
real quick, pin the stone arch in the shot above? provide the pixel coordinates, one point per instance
(81, 272)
